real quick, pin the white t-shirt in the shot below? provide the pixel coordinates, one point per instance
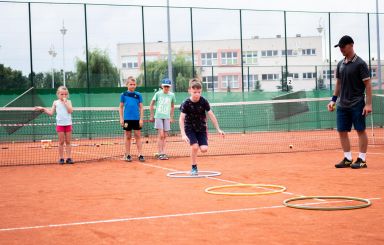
(63, 118)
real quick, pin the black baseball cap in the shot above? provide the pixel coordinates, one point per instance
(344, 41)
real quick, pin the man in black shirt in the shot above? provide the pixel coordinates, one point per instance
(353, 79)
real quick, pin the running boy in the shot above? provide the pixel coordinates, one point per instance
(131, 114)
(193, 121)
(165, 107)
(63, 108)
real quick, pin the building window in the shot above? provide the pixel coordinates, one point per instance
(294, 75)
(252, 81)
(310, 51)
(129, 62)
(230, 81)
(229, 58)
(207, 82)
(208, 59)
(269, 53)
(373, 72)
(151, 58)
(270, 77)
(327, 74)
(250, 57)
(309, 75)
(289, 52)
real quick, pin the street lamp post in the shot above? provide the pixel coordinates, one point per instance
(52, 53)
(321, 29)
(63, 31)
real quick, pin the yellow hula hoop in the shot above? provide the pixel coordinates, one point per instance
(212, 190)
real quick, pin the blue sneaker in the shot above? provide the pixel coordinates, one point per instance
(61, 161)
(194, 170)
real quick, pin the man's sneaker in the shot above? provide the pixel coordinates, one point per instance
(69, 161)
(141, 158)
(163, 157)
(345, 163)
(61, 161)
(128, 158)
(359, 164)
(194, 170)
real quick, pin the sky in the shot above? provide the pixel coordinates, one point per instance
(108, 26)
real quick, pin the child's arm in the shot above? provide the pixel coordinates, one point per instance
(141, 114)
(215, 122)
(151, 109)
(68, 105)
(182, 130)
(121, 108)
(49, 112)
(172, 112)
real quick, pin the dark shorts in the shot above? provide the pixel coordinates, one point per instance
(131, 124)
(346, 117)
(200, 138)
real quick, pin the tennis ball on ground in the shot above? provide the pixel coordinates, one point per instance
(290, 146)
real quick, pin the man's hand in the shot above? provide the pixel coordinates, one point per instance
(331, 106)
(367, 109)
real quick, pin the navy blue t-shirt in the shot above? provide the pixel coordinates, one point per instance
(195, 114)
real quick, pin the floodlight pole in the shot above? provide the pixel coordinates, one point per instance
(52, 53)
(378, 45)
(169, 48)
(63, 32)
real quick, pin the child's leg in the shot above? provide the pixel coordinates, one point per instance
(68, 136)
(137, 134)
(203, 148)
(194, 150)
(61, 144)
(127, 141)
(160, 141)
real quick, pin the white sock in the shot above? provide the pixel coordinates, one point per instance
(348, 155)
(362, 156)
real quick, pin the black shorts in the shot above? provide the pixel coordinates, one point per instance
(200, 138)
(131, 124)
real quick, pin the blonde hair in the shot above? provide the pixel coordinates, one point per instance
(62, 88)
(195, 83)
(130, 78)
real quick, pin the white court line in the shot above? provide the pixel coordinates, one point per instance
(162, 216)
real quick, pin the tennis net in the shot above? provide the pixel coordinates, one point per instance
(251, 127)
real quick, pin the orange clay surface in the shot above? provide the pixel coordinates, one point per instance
(114, 202)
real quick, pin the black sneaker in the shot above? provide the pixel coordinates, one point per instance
(69, 161)
(359, 164)
(128, 158)
(61, 161)
(345, 163)
(141, 158)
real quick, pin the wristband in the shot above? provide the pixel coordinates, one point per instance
(334, 98)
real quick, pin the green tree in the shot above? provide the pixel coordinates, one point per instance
(257, 86)
(102, 73)
(157, 70)
(283, 86)
(12, 79)
(321, 84)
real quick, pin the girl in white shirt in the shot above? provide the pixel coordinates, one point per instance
(63, 108)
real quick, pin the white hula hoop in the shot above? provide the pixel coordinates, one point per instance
(187, 174)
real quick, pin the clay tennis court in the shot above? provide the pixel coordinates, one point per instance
(114, 202)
